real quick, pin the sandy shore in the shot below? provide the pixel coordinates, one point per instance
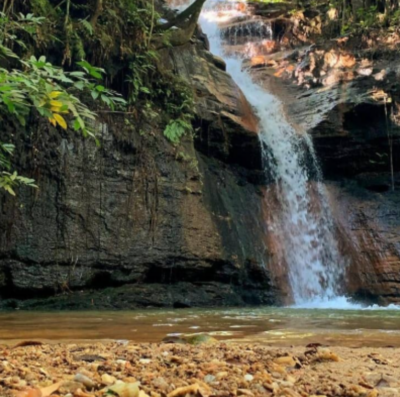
(209, 369)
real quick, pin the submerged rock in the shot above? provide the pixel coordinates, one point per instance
(190, 339)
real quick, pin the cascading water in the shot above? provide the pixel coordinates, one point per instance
(303, 222)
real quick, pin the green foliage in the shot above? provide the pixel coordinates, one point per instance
(9, 181)
(36, 84)
(13, 32)
(176, 129)
(178, 103)
(141, 68)
(366, 18)
(67, 86)
(6, 150)
(50, 91)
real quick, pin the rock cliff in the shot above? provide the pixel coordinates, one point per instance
(138, 222)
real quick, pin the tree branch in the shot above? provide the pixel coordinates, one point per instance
(194, 8)
(186, 21)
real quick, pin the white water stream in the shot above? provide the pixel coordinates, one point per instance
(303, 223)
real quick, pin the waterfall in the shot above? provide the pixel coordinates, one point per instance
(303, 222)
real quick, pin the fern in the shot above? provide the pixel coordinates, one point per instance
(88, 26)
(176, 129)
(79, 47)
(6, 150)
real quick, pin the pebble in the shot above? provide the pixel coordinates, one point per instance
(108, 380)
(209, 378)
(206, 370)
(86, 381)
(248, 377)
(160, 383)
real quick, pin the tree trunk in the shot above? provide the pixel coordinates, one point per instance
(97, 12)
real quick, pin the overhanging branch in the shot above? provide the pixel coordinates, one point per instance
(186, 23)
(194, 8)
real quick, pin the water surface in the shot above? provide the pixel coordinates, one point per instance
(272, 326)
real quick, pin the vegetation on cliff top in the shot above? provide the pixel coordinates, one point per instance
(69, 60)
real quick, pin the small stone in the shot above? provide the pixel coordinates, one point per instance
(160, 383)
(85, 380)
(221, 375)
(364, 71)
(108, 380)
(245, 392)
(248, 377)
(182, 391)
(123, 389)
(70, 387)
(209, 378)
(286, 361)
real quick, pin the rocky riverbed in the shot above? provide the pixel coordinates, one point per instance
(212, 368)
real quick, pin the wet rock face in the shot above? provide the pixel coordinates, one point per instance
(131, 213)
(137, 219)
(369, 226)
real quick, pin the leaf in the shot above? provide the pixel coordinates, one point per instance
(6, 88)
(60, 121)
(77, 125)
(55, 94)
(77, 74)
(106, 100)
(85, 65)
(95, 74)
(8, 147)
(56, 103)
(53, 121)
(88, 26)
(79, 85)
(49, 390)
(117, 99)
(9, 189)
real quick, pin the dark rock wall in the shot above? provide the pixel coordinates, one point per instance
(138, 222)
